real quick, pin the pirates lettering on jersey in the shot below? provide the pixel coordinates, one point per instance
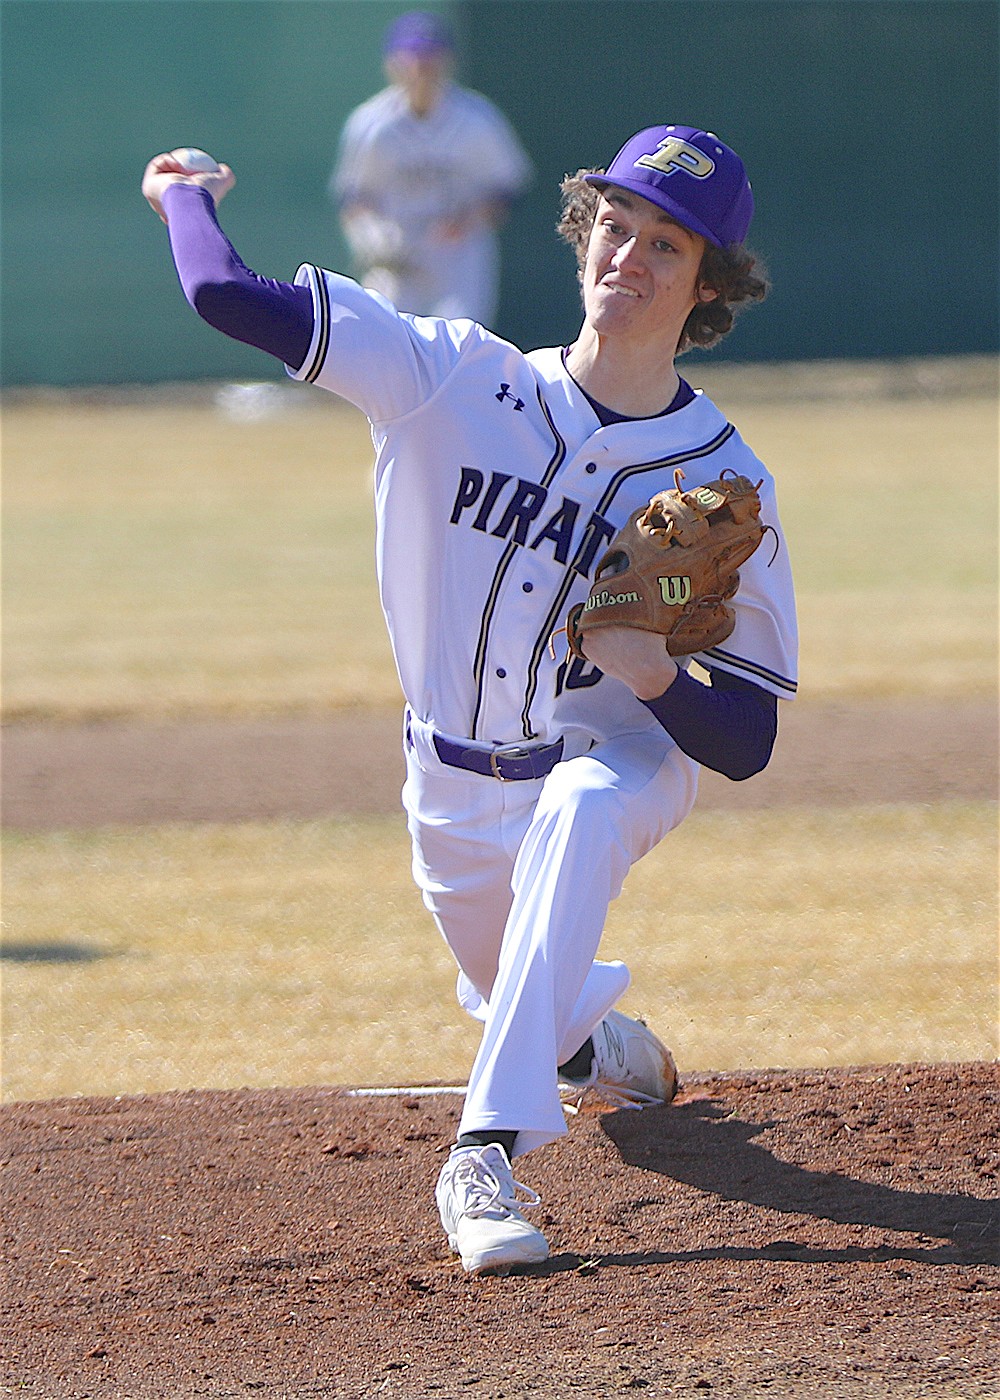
(524, 509)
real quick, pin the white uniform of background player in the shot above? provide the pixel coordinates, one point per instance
(425, 172)
(535, 781)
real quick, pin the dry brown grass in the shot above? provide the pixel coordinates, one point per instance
(301, 954)
(163, 559)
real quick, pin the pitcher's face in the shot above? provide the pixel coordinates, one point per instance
(641, 274)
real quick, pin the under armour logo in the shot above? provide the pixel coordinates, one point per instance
(675, 154)
(506, 394)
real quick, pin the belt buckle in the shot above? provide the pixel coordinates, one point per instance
(513, 751)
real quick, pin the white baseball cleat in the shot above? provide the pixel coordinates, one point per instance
(631, 1068)
(477, 1198)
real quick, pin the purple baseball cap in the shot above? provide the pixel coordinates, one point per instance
(418, 31)
(691, 175)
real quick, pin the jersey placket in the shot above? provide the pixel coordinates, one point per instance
(533, 588)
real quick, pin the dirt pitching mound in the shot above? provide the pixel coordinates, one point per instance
(812, 1233)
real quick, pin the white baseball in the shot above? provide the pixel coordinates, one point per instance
(194, 161)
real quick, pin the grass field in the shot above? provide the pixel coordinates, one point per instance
(167, 559)
(301, 954)
(164, 559)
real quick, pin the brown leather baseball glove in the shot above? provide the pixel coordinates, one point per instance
(673, 568)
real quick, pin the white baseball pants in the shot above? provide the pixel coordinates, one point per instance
(519, 876)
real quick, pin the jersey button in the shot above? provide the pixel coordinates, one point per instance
(527, 587)
(501, 672)
(591, 467)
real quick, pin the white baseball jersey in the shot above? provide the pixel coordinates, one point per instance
(416, 173)
(497, 490)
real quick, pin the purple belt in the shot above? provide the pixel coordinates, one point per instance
(511, 763)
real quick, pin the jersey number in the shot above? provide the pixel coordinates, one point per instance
(574, 675)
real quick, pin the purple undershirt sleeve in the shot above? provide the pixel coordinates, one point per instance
(729, 726)
(273, 316)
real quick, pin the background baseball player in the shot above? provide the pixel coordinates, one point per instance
(534, 780)
(426, 172)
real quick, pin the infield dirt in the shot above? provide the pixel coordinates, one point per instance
(789, 1233)
(121, 771)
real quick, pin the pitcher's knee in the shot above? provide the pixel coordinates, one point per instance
(581, 787)
(589, 812)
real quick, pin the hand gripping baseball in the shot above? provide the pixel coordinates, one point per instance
(168, 169)
(674, 567)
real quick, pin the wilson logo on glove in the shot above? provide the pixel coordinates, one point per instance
(604, 599)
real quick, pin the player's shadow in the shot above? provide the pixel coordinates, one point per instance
(701, 1144)
(61, 951)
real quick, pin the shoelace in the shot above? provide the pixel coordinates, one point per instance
(576, 1096)
(484, 1189)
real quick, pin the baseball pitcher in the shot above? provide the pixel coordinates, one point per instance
(558, 534)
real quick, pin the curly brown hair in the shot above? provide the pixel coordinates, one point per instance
(734, 273)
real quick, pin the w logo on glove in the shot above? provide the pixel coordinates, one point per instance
(675, 589)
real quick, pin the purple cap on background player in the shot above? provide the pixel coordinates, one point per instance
(691, 175)
(418, 31)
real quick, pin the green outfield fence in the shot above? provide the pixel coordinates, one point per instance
(869, 128)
